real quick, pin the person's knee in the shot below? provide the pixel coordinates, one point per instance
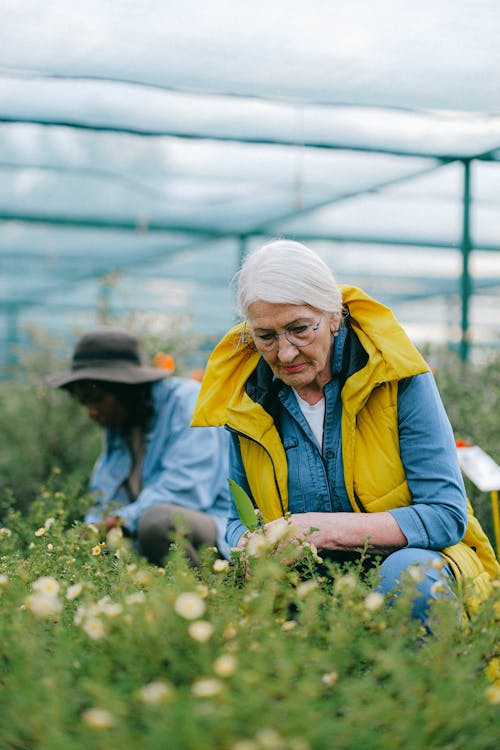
(432, 577)
(155, 531)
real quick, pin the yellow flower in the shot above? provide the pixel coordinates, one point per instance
(96, 550)
(374, 601)
(220, 566)
(189, 605)
(41, 531)
(492, 671)
(156, 692)
(289, 625)
(201, 630)
(225, 665)
(98, 718)
(206, 687)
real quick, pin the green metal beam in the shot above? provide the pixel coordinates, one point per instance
(466, 250)
(210, 234)
(301, 142)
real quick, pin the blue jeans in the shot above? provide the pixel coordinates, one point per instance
(395, 564)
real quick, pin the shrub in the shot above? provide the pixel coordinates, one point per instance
(100, 649)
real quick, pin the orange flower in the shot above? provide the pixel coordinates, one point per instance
(165, 361)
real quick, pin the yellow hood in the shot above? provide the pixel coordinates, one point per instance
(391, 357)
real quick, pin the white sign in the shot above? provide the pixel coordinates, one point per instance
(479, 468)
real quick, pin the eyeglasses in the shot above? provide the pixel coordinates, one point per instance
(298, 335)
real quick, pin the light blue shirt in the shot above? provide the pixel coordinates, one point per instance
(437, 516)
(184, 465)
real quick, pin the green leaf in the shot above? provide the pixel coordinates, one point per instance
(244, 505)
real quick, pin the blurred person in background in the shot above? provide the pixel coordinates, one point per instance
(156, 474)
(336, 422)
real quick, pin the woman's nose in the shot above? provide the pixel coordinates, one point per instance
(286, 351)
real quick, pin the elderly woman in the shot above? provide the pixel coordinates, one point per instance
(336, 420)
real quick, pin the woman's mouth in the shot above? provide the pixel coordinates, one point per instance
(290, 369)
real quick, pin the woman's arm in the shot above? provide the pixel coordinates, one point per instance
(379, 532)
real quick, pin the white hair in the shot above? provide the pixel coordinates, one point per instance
(287, 272)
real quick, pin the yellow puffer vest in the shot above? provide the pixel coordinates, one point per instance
(373, 469)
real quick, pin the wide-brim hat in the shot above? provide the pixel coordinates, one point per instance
(107, 354)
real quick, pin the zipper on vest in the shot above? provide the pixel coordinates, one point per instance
(247, 437)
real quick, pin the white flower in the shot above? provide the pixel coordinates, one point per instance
(96, 550)
(46, 585)
(74, 591)
(256, 545)
(305, 587)
(138, 597)
(200, 630)
(275, 532)
(225, 665)
(289, 625)
(156, 692)
(48, 522)
(206, 687)
(416, 573)
(329, 678)
(44, 605)
(269, 739)
(3, 579)
(345, 584)
(109, 608)
(374, 601)
(437, 588)
(114, 537)
(492, 694)
(94, 628)
(5, 532)
(220, 566)
(98, 718)
(189, 605)
(438, 563)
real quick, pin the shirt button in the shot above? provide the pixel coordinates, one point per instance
(330, 454)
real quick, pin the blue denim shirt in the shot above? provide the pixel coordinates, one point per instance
(184, 465)
(438, 514)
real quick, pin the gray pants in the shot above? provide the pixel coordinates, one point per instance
(159, 524)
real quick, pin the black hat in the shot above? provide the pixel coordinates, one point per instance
(109, 354)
